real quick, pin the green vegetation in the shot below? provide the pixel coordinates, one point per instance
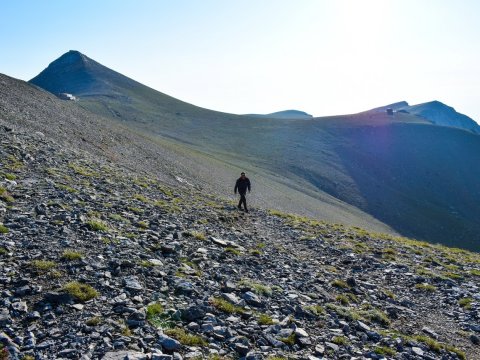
(290, 340)
(343, 299)
(198, 235)
(225, 306)
(255, 252)
(142, 224)
(264, 319)
(10, 177)
(97, 225)
(5, 196)
(94, 321)
(384, 350)
(3, 229)
(425, 287)
(185, 338)
(154, 310)
(339, 284)
(72, 255)
(232, 250)
(431, 343)
(340, 340)
(475, 272)
(118, 217)
(81, 292)
(316, 309)
(43, 265)
(257, 288)
(141, 198)
(3, 251)
(66, 188)
(80, 170)
(465, 303)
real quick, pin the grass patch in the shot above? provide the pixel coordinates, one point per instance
(154, 310)
(198, 235)
(81, 292)
(289, 340)
(425, 287)
(257, 288)
(232, 250)
(264, 319)
(118, 217)
(340, 340)
(3, 229)
(94, 321)
(339, 284)
(43, 265)
(71, 255)
(255, 252)
(97, 225)
(342, 299)
(384, 350)
(10, 177)
(316, 309)
(465, 303)
(185, 338)
(431, 343)
(475, 272)
(225, 306)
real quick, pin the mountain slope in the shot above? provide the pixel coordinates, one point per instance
(96, 263)
(418, 178)
(444, 115)
(285, 114)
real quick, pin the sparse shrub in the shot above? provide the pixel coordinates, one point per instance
(97, 225)
(3, 229)
(81, 292)
(118, 217)
(142, 224)
(456, 351)
(264, 319)
(257, 288)
(71, 255)
(289, 340)
(198, 235)
(431, 343)
(339, 284)
(255, 252)
(425, 287)
(3, 251)
(475, 272)
(377, 316)
(153, 310)
(43, 265)
(185, 338)
(343, 299)
(232, 250)
(384, 350)
(94, 321)
(465, 303)
(316, 309)
(340, 340)
(141, 198)
(10, 177)
(225, 306)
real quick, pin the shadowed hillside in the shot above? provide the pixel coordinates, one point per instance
(418, 178)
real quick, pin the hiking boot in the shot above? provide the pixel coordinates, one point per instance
(246, 210)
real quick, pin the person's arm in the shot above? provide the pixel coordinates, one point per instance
(248, 185)
(236, 187)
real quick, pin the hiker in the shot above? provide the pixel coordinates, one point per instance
(242, 185)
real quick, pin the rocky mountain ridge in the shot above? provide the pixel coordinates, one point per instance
(98, 262)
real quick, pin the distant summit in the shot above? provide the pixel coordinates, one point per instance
(435, 112)
(286, 114)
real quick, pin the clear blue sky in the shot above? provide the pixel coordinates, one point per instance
(321, 56)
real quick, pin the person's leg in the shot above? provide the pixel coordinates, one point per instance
(240, 202)
(244, 200)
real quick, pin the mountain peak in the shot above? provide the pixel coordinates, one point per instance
(74, 73)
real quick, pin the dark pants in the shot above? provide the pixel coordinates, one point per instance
(243, 200)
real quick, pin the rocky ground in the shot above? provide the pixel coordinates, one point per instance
(97, 262)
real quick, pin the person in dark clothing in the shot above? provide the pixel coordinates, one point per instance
(242, 185)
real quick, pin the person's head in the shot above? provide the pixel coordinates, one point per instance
(242, 175)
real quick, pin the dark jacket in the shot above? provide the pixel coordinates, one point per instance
(242, 185)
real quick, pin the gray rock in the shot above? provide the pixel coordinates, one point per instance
(252, 299)
(132, 283)
(168, 343)
(124, 355)
(417, 351)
